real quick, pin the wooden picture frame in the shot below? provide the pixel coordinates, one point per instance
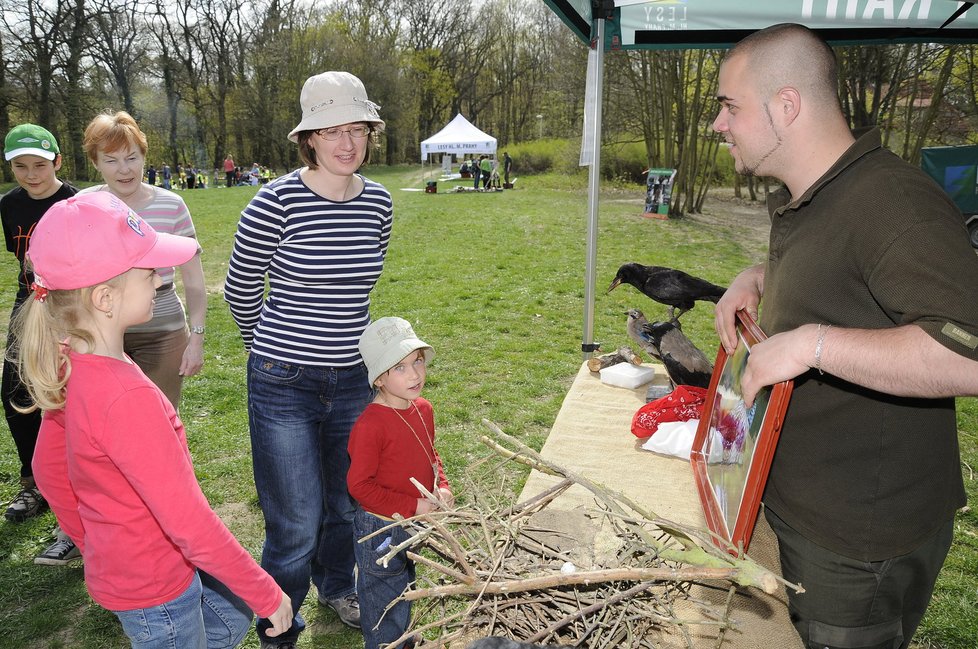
(733, 448)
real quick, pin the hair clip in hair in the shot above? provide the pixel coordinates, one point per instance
(40, 292)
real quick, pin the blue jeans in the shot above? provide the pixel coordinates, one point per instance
(300, 418)
(207, 615)
(380, 585)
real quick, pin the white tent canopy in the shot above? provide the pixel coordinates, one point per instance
(459, 136)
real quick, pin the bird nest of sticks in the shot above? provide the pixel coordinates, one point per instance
(612, 576)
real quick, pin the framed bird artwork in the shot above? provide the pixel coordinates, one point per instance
(732, 451)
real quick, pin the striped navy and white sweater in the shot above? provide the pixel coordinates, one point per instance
(322, 258)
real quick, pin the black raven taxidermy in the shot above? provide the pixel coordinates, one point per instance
(668, 286)
(685, 363)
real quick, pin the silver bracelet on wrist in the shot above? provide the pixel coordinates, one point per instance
(818, 347)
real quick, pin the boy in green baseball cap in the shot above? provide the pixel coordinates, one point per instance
(35, 159)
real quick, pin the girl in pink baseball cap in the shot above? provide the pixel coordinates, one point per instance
(111, 457)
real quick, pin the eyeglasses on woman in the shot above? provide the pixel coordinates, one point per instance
(331, 134)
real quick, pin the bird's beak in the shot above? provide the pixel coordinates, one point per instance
(615, 282)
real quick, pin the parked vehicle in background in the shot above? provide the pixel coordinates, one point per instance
(955, 168)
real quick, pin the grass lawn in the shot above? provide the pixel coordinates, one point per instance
(495, 283)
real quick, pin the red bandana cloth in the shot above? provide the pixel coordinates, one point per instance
(682, 404)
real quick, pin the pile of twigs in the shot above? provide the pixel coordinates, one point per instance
(610, 577)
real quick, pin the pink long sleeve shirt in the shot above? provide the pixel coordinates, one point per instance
(115, 468)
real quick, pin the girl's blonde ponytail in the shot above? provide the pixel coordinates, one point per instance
(40, 330)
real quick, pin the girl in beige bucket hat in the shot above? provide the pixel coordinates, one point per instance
(319, 235)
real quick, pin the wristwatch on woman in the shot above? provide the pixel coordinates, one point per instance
(197, 329)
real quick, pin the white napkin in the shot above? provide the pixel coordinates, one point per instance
(673, 438)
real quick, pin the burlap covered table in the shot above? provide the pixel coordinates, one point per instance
(591, 436)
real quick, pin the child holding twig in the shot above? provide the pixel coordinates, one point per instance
(392, 445)
(112, 457)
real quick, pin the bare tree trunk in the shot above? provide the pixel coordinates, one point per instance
(711, 154)
(897, 82)
(930, 115)
(119, 45)
(971, 85)
(76, 45)
(698, 142)
(5, 99)
(911, 99)
(37, 35)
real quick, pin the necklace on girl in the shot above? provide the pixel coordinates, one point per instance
(430, 456)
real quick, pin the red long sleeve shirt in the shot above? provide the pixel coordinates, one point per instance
(386, 451)
(115, 468)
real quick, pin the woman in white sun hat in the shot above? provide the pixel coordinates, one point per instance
(320, 235)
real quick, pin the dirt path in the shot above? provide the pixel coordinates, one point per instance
(746, 221)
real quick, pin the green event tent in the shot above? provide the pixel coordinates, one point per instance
(678, 24)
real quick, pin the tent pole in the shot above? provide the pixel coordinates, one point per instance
(594, 186)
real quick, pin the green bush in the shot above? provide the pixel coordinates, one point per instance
(624, 162)
(544, 156)
(620, 162)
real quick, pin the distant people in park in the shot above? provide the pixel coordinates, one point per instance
(307, 383)
(476, 172)
(392, 442)
(241, 178)
(485, 168)
(151, 176)
(494, 182)
(507, 167)
(191, 174)
(112, 456)
(167, 176)
(163, 348)
(35, 159)
(229, 168)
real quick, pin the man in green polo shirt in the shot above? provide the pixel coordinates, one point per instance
(871, 304)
